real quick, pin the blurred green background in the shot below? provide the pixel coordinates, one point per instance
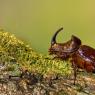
(35, 21)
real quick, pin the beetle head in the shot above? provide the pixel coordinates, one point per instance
(64, 49)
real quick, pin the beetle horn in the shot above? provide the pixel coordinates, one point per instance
(53, 40)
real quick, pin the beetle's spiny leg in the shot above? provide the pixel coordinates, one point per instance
(75, 71)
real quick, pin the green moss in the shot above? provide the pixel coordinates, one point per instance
(14, 51)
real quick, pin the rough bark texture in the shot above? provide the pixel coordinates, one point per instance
(85, 85)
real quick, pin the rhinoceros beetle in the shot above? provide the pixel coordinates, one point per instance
(82, 56)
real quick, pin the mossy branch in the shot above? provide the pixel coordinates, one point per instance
(15, 52)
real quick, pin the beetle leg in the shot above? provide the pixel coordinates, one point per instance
(75, 75)
(75, 71)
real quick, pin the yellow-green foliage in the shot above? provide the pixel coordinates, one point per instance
(14, 51)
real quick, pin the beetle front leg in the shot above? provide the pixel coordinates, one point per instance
(75, 71)
(75, 74)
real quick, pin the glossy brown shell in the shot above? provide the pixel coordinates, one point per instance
(84, 58)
